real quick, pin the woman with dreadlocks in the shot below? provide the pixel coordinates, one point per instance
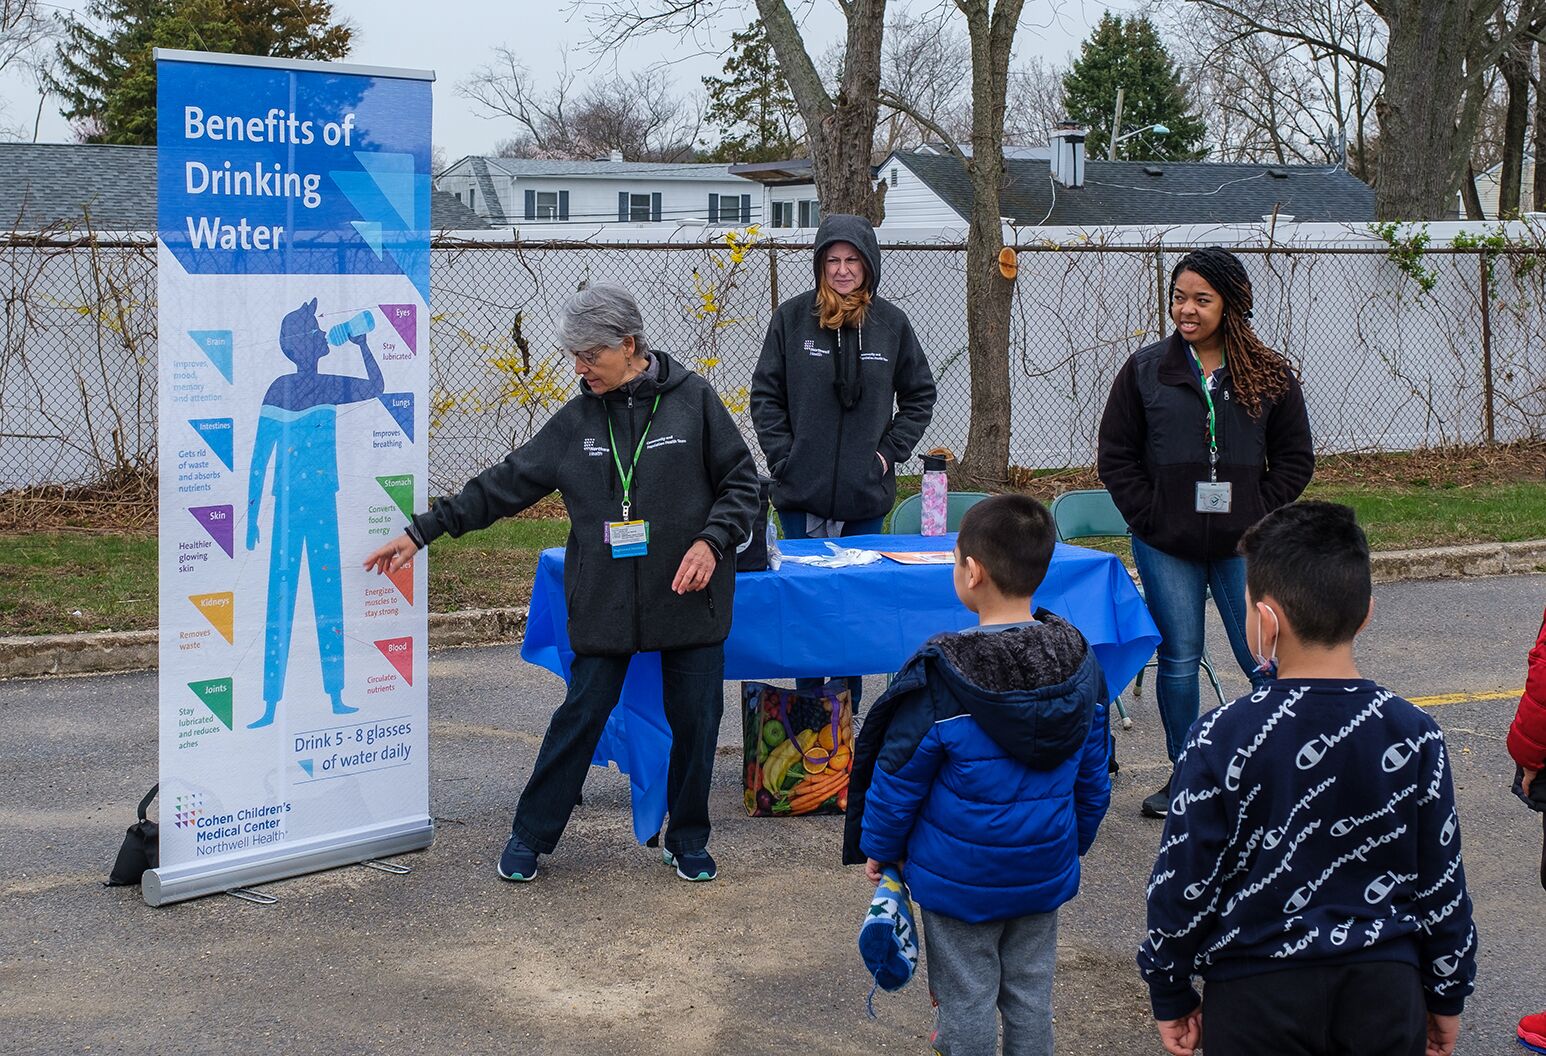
(1204, 433)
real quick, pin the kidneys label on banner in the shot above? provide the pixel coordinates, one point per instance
(293, 202)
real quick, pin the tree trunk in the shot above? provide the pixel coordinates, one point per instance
(841, 130)
(1424, 138)
(1515, 68)
(1538, 183)
(1469, 198)
(989, 296)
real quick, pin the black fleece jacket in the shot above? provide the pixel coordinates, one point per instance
(1153, 449)
(820, 452)
(695, 480)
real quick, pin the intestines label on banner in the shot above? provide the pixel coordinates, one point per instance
(294, 321)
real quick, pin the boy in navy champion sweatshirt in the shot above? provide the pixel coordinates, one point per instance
(1310, 867)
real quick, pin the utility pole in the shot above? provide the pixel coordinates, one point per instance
(1116, 126)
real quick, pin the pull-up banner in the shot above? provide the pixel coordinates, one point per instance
(293, 203)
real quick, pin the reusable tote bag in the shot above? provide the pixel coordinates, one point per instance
(798, 750)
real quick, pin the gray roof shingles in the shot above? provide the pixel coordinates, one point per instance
(1121, 192)
(42, 184)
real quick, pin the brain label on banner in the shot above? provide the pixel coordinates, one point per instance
(293, 203)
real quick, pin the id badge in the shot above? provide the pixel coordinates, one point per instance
(628, 538)
(1214, 496)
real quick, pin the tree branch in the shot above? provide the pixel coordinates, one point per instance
(895, 102)
(1286, 33)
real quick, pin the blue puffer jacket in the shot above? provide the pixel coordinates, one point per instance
(984, 769)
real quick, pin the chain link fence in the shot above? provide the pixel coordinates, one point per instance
(1395, 353)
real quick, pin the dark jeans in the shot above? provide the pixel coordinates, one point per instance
(1175, 589)
(693, 685)
(794, 528)
(1371, 1009)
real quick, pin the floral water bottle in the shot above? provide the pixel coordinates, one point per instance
(936, 495)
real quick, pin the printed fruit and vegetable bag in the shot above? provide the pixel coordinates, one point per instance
(799, 750)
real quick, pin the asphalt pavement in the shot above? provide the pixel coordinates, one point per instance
(607, 951)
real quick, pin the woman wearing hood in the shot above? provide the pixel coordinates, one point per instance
(841, 395)
(660, 490)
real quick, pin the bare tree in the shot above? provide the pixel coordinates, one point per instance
(26, 36)
(506, 88)
(1034, 104)
(840, 123)
(1269, 97)
(990, 29)
(636, 114)
(927, 62)
(1438, 55)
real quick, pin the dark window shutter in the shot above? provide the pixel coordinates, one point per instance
(531, 205)
(563, 205)
(655, 207)
(746, 208)
(470, 194)
(622, 206)
(805, 214)
(713, 208)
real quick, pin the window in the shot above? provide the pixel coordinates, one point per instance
(639, 208)
(470, 198)
(730, 209)
(810, 213)
(547, 205)
(783, 214)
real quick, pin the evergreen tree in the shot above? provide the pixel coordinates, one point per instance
(1127, 53)
(107, 77)
(751, 106)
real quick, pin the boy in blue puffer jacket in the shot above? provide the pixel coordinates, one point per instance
(984, 769)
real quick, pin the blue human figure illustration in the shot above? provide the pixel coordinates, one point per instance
(297, 430)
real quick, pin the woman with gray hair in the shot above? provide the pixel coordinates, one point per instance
(660, 490)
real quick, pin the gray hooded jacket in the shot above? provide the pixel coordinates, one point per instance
(825, 402)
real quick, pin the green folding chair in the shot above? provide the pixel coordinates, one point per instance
(1092, 515)
(907, 518)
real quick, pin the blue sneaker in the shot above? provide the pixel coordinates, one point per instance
(519, 862)
(692, 865)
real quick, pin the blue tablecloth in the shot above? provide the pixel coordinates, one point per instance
(865, 620)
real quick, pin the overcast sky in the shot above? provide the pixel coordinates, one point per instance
(454, 37)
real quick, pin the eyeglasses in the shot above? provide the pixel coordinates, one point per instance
(588, 356)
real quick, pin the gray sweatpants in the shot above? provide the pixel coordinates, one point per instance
(978, 972)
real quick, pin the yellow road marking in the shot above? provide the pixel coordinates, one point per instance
(1465, 698)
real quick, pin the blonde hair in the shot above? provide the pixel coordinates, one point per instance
(835, 311)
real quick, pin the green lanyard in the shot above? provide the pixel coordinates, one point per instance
(1213, 422)
(627, 475)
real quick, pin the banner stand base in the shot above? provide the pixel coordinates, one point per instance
(247, 894)
(164, 886)
(387, 867)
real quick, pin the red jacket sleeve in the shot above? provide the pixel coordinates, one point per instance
(1527, 736)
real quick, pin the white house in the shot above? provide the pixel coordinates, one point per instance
(514, 191)
(788, 191)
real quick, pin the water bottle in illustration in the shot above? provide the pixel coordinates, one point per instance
(359, 326)
(936, 495)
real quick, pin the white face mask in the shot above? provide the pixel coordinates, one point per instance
(1267, 664)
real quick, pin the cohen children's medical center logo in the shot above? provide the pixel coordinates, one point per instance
(187, 808)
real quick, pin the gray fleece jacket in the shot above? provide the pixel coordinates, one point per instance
(695, 479)
(825, 402)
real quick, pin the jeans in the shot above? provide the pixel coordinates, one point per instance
(793, 522)
(1175, 588)
(981, 972)
(693, 691)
